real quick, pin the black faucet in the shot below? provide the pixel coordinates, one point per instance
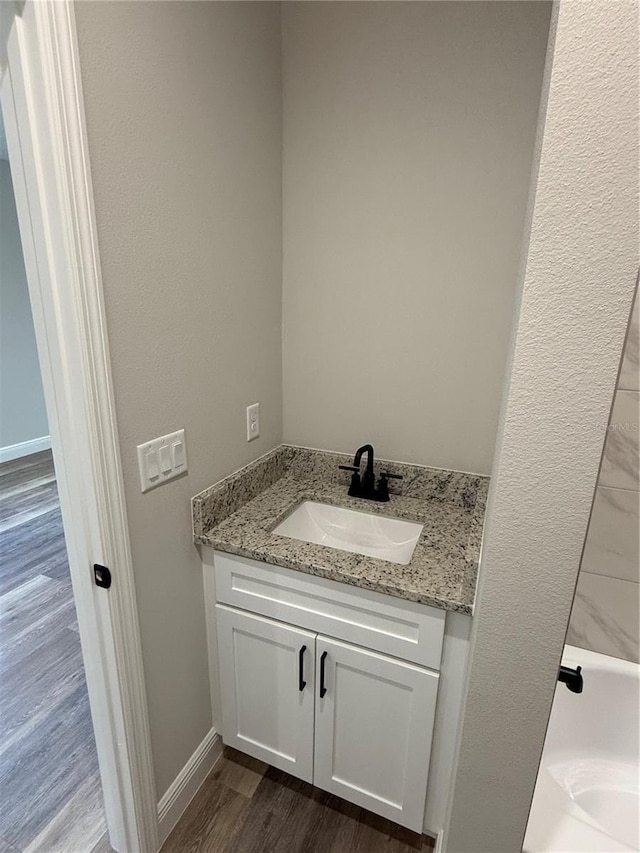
(368, 480)
(365, 487)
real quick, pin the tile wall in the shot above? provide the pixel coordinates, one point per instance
(606, 610)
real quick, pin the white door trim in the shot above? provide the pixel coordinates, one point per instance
(43, 107)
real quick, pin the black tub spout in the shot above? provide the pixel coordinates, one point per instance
(572, 678)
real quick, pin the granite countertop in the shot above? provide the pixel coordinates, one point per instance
(238, 515)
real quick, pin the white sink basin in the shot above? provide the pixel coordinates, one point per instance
(348, 530)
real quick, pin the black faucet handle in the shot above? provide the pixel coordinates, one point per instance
(383, 485)
(355, 488)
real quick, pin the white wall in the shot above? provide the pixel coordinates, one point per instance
(408, 137)
(183, 105)
(578, 282)
(23, 416)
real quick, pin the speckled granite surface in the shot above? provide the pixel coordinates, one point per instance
(222, 499)
(238, 515)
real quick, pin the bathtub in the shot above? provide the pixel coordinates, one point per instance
(587, 792)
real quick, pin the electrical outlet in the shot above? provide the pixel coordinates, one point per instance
(162, 459)
(253, 421)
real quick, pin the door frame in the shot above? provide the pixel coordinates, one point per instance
(43, 107)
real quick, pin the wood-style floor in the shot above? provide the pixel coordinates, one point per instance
(50, 794)
(247, 807)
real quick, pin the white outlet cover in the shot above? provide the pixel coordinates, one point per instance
(162, 459)
(253, 421)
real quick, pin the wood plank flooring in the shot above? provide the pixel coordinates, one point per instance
(247, 807)
(50, 795)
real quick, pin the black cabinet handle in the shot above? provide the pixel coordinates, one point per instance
(323, 689)
(301, 682)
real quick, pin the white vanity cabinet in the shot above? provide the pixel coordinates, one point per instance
(308, 685)
(267, 689)
(374, 719)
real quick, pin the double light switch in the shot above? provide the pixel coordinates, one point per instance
(162, 459)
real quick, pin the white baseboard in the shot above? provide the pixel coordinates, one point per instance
(187, 783)
(25, 448)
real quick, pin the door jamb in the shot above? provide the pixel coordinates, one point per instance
(42, 102)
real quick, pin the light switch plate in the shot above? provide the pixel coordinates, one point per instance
(253, 421)
(162, 459)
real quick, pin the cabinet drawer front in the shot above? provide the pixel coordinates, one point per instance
(400, 628)
(267, 678)
(374, 722)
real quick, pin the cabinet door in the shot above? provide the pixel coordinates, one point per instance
(374, 721)
(267, 685)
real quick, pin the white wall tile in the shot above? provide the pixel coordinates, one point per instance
(612, 546)
(620, 462)
(630, 371)
(605, 616)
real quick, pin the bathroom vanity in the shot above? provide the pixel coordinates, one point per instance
(337, 665)
(310, 672)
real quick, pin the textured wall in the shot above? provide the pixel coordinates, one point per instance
(22, 411)
(606, 610)
(578, 282)
(408, 137)
(183, 105)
